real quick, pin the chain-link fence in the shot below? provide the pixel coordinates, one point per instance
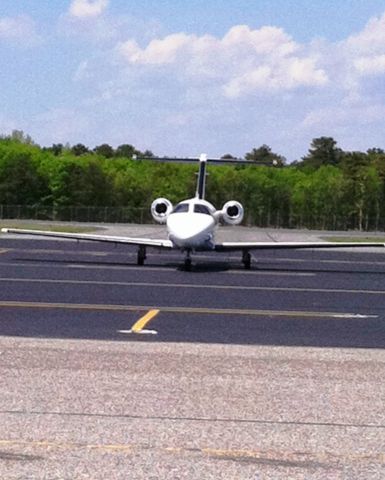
(76, 214)
(139, 215)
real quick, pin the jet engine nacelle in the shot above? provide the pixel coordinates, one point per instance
(232, 212)
(161, 209)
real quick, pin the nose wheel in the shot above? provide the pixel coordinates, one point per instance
(187, 261)
(141, 255)
(246, 259)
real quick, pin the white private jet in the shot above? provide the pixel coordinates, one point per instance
(191, 226)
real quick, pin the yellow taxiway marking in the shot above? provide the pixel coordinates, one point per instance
(192, 286)
(288, 458)
(138, 326)
(191, 310)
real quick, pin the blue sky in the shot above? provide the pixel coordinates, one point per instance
(181, 78)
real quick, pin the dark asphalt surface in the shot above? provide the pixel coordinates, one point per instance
(349, 286)
(273, 373)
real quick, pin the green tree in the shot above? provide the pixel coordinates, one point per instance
(79, 149)
(21, 137)
(355, 167)
(80, 182)
(318, 198)
(104, 150)
(57, 149)
(375, 151)
(21, 181)
(265, 155)
(126, 150)
(322, 151)
(148, 154)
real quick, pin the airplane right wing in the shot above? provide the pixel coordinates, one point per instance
(145, 242)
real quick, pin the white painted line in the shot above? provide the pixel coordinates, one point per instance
(138, 332)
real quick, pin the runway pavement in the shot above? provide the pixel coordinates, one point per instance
(110, 370)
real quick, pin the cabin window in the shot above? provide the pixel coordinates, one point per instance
(181, 208)
(199, 208)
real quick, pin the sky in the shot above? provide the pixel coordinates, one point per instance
(181, 78)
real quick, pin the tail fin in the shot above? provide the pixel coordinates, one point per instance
(200, 193)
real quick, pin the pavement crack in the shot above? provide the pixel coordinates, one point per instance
(195, 419)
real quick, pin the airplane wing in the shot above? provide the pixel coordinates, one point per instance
(167, 244)
(146, 242)
(233, 246)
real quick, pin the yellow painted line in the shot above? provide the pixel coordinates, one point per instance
(138, 327)
(192, 310)
(273, 455)
(142, 322)
(64, 445)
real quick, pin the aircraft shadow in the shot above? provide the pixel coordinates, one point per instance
(200, 267)
(203, 267)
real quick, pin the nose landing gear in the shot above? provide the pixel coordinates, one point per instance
(246, 259)
(141, 255)
(187, 261)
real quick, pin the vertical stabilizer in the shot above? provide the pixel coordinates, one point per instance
(200, 193)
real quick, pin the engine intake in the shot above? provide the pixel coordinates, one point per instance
(161, 209)
(232, 212)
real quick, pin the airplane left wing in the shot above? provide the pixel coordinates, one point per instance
(234, 246)
(145, 242)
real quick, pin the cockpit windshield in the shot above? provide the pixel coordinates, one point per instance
(181, 208)
(199, 208)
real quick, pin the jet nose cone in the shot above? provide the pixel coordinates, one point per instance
(190, 230)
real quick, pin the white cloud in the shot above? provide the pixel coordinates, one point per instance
(366, 49)
(20, 29)
(87, 8)
(248, 85)
(158, 52)
(265, 41)
(371, 40)
(240, 41)
(370, 65)
(248, 82)
(242, 62)
(289, 74)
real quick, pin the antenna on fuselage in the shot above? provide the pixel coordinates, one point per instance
(200, 193)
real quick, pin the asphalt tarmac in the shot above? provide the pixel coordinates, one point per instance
(110, 370)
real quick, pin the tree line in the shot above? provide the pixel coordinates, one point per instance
(326, 189)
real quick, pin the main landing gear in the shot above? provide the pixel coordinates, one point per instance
(246, 259)
(141, 255)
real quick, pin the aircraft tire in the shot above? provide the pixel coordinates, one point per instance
(246, 260)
